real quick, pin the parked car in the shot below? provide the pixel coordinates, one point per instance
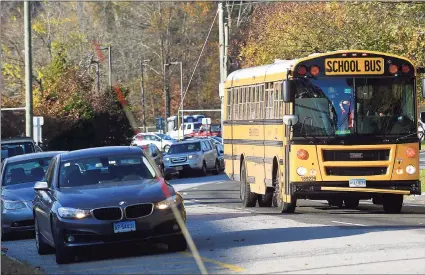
(122, 201)
(198, 155)
(155, 154)
(18, 146)
(421, 128)
(209, 130)
(163, 142)
(18, 176)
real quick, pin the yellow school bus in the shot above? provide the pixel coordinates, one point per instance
(338, 126)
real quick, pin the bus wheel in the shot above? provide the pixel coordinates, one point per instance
(392, 203)
(266, 199)
(249, 199)
(351, 203)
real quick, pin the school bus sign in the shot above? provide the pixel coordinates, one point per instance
(354, 66)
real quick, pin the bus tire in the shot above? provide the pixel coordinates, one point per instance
(249, 199)
(266, 199)
(285, 207)
(392, 203)
(351, 203)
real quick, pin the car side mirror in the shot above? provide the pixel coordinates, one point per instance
(290, 120)
(423, 117)
(41, 186)
(287, 96)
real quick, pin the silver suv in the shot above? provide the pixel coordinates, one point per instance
(191, 156)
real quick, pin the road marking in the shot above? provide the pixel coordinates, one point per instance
(348, 223)
(221, 264)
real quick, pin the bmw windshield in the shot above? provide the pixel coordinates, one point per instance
(354, 106)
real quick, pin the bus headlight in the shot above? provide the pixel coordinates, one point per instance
(301, 171)
(410, 169)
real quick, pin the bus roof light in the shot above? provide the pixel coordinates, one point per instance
(314, 70)
(364, 54)
(405, 68)
(302, 70)
(393, 69)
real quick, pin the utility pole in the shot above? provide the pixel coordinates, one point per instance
(143, 63)
(28, 71)
(166, 95)
(222, 53)
(110, 67)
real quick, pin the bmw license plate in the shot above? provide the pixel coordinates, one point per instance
(357, 183)
(120, 227)
(178, 168)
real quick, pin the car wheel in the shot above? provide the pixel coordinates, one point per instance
(217, 168)
(204, 170)
(42, 247)
(63, 254)
(177, 243)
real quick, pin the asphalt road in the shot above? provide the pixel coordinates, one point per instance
(232, 240)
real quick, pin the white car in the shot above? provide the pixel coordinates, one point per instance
(163, 142)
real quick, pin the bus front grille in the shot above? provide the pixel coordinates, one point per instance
(356, 155)
(356, 171)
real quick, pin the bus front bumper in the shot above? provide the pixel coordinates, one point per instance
(324, 188)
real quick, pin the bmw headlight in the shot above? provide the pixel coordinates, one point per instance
(165, 204)
(12, 205)
(72, 213)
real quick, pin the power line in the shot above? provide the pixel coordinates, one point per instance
(199, 58)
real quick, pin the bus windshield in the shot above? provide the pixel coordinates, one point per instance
(354, 106)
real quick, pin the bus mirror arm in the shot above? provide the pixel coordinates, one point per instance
(423, 87)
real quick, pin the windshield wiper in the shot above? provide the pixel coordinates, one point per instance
(406, 136)
(304, 135)
(335, 129)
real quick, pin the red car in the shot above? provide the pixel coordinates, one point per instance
(209, 130)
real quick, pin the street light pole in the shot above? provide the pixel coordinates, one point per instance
(181, 93)
(28, 71)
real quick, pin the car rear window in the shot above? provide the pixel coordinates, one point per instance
(26, 171)
(16, 149)
(184, 148)
(97, 170)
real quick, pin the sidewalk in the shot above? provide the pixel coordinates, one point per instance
(415, 199)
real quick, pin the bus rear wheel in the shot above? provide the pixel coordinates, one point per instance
(392, 203)
(249, 199)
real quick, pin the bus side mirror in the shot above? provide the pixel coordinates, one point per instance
(423, 87)
(287, 96)
(290, 120)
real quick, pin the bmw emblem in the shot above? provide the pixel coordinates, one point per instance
(122, 202)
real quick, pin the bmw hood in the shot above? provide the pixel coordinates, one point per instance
(112, 194)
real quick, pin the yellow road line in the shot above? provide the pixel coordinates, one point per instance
(166, 271)
(221, 264)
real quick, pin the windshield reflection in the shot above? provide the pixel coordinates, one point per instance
(354, 106)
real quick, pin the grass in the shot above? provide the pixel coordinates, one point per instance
(422, 179)
(12, 267)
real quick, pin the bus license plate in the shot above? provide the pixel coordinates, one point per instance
(120, 227)
(357, 183)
